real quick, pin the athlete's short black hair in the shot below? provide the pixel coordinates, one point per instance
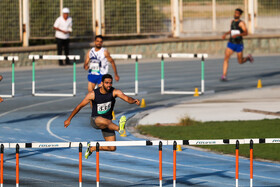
(98, 36)
(106, 76)
(239, 10)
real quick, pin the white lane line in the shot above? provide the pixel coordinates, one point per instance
(29, 106)
(124, 168)
(48, 127)
(151, 160)
(105, 165)
(29, 178)
(190, 166)
(66, 171)
(129, 169)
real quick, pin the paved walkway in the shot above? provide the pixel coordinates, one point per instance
(221, 107)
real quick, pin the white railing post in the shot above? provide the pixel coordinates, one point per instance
(175, 18)
(60, 6)
(138, 16)
(251, 17)
(214, 17)
(98, 19)
(26, 28)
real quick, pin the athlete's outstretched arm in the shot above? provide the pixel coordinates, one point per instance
(86, 100)
(130, 100)
(225, 34)
(111, 60)
(86, 61)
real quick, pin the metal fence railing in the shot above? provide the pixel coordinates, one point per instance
(225, 11)
(268, 16)
(81, 13)
(207, 16)
(134, 17)
(42, 15)
(10, 25)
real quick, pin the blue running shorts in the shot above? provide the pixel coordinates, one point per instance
(95, 78)
(235, 47)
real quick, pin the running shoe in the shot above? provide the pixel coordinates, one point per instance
(88, 152)
(251, 59)
(223, 79)
(122, 122)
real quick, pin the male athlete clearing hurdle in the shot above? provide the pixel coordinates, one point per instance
(97, 63)
(237, 31)
(103, 101)
(1, 100)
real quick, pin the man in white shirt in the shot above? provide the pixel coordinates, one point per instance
(63, 27)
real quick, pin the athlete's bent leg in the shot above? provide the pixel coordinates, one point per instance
(104, 123)
(106, 148)
(228, 53)
(240, 58)
(91, 86)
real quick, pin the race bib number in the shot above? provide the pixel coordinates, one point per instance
(94, 67)
(103, 107)
(235, 32)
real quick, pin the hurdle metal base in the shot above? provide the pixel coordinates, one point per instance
(180, 92)
(53, 95)
(6, 96)
(130, 93)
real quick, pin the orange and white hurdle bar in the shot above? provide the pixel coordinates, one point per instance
(130, 56)
(183, 56)
(13, 59)
(158, 143)
(54, 57)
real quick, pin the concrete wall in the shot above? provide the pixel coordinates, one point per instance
(214, 46)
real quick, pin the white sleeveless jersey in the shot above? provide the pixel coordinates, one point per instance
(98, 64)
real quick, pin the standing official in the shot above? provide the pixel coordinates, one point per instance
(63, 28)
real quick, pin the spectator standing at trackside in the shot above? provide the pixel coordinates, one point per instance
(63, 28)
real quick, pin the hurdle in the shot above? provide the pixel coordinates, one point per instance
(13, 59)
(130, 56)
(142, 143)
(182, 55)
(54, 57)
(236, 163)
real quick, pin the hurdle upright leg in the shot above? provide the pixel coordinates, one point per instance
(202, 75)
(174, 163)
(251, 163)
(80, 164)
(74, 77)
(160, 163)
(2, 166)
(136, 76)
(13, 77)
(33, 77)
(17, 165)
(162, 75)
(97, 164)
(236, 163)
